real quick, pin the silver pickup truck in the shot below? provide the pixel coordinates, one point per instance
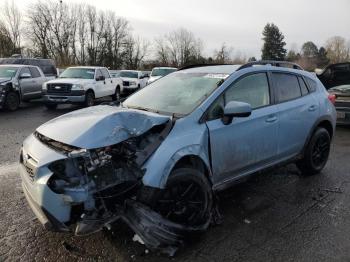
(19, 83)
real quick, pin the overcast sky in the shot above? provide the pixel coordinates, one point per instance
(237, 23)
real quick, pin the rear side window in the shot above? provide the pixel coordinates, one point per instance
(303, 87)
(35, 72)
(312, 84)
(287, 86)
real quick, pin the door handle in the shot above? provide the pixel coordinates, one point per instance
(271, 119)
(312, 108)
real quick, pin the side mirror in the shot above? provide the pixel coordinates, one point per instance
(236, 109)
(100, 78)
(25, 76)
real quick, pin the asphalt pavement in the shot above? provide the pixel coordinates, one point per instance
(275, 216)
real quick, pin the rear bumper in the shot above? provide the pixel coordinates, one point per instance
(62, 99)
(343, 115)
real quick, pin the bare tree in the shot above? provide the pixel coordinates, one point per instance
(223, 55)
(337, 49)
(12, 21)
(6, 43)
(136, 50)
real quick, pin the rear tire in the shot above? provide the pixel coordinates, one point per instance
(12, 101)
(51, 106)
(316, 153)
(89, 99)
(187, 198)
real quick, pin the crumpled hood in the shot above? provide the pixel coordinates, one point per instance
(70, 81)
(4, 80)
(100, 126)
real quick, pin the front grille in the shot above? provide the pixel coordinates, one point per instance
(29, 163)
(59, 88)
(126, 83)
(55, 145)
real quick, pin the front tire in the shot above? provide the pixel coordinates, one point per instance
(89, 99)
(12, 101)
(316, 153)
(187, 198)
(117, 94)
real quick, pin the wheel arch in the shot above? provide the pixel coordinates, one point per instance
(325, 122)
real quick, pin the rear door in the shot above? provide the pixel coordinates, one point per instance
(298, 109)
(248, 142)
(38, 81)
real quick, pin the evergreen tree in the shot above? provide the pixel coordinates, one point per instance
(273, 48)
(322, 60)
(309, 50)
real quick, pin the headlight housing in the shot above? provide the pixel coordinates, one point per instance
(44, 86)
(77, 87)
(132, 83)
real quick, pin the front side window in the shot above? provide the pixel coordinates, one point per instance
(25, 70)
(105, 73)
(76, 72)
(35, 72)
(252, 89)
(287, 86)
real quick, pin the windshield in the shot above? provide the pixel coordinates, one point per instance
(8, 71)
(128, 74)
(162, 71)
(178, 93)
(84, 73)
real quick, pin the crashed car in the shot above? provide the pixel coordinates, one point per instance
(156, 160)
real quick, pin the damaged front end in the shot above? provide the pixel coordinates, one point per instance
(102, 186)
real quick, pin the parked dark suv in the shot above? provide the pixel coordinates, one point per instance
(46, 65)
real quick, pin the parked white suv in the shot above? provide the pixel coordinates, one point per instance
(132, 81)
(80, 85)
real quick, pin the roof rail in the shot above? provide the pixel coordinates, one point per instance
(272, 63)
(199, 65)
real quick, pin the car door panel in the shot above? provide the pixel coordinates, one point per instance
(246, 143)
(243, 145)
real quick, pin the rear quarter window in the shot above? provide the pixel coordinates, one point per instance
(312, 84)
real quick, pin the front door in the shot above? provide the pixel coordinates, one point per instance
(248, 142)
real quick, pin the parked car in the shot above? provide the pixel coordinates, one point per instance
(336, 78)
(114, 73)
(159, 72)
(342, 102)
(47, 66)
(132, 81)
(335, 75)
(19, 83)
(156, 160)
(80, 85)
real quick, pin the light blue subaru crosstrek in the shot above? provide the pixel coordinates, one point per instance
(156, 160)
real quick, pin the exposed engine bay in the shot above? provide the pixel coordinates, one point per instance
(103, 185)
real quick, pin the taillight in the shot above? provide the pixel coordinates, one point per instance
(332, 98)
